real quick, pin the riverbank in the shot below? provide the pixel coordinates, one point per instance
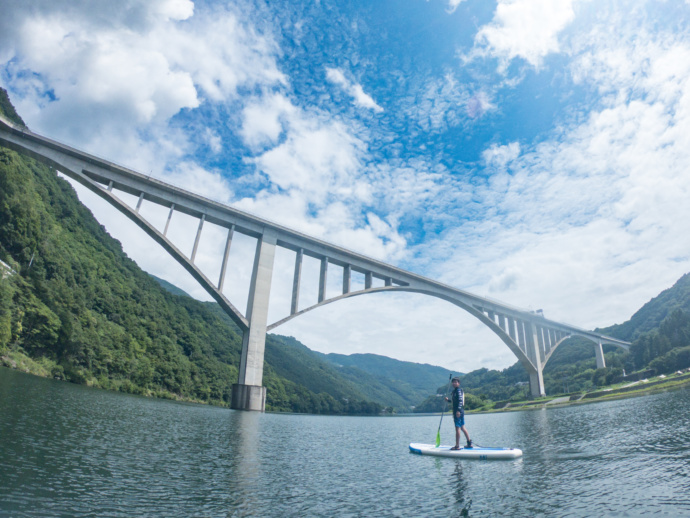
(47, 369)
(617, 391)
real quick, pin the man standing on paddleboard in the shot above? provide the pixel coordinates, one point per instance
(458, 398)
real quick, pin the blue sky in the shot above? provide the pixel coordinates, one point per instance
(533, 151)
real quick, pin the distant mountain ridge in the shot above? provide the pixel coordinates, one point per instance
(391, 383)
(649, 316)
(413, 382)
(170, 287)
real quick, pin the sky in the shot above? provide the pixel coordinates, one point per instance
(532, 151)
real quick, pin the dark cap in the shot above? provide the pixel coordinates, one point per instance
(455, 379)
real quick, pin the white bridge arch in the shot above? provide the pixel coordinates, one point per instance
(531, 337)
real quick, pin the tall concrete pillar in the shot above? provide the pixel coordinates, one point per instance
(536, 378)
(247, 393)
(601, 362)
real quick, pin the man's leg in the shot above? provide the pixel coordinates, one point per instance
(457, 436)
(467, 435)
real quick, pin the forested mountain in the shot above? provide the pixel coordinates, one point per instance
(660, 335)
(383, 378)
(170, 287)
(653, 313)
(83, 311)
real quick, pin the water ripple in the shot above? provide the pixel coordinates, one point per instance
(72, 451)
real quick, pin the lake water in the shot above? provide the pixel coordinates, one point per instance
(67, 450)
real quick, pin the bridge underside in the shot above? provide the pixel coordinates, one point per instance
(531, 337)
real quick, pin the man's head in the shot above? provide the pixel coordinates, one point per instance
(455, 381)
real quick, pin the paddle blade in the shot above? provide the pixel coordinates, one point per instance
(438, 438)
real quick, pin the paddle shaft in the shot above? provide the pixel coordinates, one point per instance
(450, 376)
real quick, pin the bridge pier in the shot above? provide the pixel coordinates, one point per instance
(247, 393)
(248, 397)
(536, 384)
(599, 351)
(536, 378)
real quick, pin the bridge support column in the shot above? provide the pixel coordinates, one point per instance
(248, 397)
(536, 378)
(247, 393)
(601, 362)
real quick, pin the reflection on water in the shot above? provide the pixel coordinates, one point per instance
(461, 491)
(247, 468)
(67, 450)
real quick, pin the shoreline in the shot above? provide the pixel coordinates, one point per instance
(636, 389)
(27, 365)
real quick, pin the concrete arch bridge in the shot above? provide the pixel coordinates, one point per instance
(531, 337)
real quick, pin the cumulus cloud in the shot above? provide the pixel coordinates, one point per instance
(355, 90)
(80, 71)
(318, 178)
(597, 209)
(264, 119)
(499, 156)
(527, 29)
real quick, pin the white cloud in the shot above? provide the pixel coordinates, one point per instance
(213, 140)
(263, 119)
(598, 209)
(97, 73)
(209, 184)
(527, 29)
(479, 104)
(453, 5)
(355, 90)
(437, 104)
(499, 156)
(315, 157)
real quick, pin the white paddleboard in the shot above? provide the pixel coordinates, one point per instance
(477, 452)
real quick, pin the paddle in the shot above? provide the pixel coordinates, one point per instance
(438, 433)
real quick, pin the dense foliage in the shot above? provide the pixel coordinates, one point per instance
(79, 306)
(8, 110)
(666, 348)
(79, 302)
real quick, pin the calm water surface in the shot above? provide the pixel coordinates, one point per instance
(67, 450)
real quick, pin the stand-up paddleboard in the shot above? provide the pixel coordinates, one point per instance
(477, 452)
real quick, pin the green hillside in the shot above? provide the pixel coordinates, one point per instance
(8, 110)
(404, 384)
(653, 313)
(81, 310)
(660, 335)
(170, 288)
(656, 329)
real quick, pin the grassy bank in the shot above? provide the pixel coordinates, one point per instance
(47, 368)
(616, 391)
